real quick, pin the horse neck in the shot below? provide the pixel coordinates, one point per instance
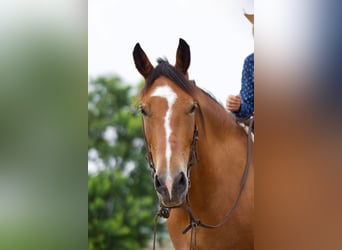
(218, 125)
(222, 152)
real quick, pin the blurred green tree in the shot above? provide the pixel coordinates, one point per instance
(121, 199)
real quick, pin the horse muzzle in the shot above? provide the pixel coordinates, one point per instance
(171, 189)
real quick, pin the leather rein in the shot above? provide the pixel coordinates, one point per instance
(193, 157)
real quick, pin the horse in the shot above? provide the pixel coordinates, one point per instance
(198, 154)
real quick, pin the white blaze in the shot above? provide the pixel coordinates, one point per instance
(170, 96)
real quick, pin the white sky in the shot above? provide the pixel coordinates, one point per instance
(217, 32)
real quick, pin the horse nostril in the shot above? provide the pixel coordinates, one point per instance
(183, 179)
(180, 183)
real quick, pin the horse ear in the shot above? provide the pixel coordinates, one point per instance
(183, 57)
(142, 63)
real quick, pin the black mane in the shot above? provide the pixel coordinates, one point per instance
(164, 68)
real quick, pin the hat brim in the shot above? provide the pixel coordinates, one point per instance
(250, 17)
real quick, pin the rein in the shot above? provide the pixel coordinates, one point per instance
(193, 157)
(194, 223)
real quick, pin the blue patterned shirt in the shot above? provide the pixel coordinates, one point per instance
(247, 88)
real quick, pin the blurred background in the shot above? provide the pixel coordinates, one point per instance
(43, 125)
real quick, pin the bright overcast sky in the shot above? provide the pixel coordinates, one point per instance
(219, 35)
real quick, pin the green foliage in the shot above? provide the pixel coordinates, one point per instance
(121, 199)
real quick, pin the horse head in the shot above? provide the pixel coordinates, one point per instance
(168, 108)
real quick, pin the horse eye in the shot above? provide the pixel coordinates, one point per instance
(142, 111)
(193, 108)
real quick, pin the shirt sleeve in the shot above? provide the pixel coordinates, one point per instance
(247, 89)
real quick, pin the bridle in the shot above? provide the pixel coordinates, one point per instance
(193, 157)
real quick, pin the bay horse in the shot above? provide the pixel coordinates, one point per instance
(192, 140)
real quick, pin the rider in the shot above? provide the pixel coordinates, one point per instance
(242, 105)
